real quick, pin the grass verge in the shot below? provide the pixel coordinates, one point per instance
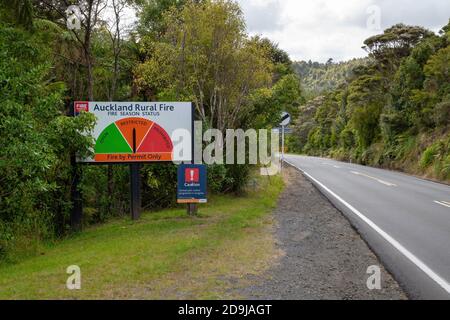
(166, 255)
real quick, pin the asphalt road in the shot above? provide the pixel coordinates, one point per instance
(405, 220)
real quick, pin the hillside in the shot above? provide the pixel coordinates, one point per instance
(392, 111)
(320, 77)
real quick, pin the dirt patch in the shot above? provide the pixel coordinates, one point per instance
(324, 257)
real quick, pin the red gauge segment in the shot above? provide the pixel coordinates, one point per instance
(156, 140)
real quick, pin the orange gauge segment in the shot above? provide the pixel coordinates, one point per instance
(134, 130)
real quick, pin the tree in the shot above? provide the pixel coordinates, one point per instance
(91, 17)
(279, 58)
(150, 15)
(37, 140)
(267, 104)
(18, 11)
(365, 103)
(394, 44)
(207, 57)
(287, 94)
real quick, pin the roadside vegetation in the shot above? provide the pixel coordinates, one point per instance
(177, 50)
(166, 255)
(392, 111)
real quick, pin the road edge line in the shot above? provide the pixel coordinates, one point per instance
(416, 261)
(442, 204)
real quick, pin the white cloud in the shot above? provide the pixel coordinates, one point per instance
(322, 29)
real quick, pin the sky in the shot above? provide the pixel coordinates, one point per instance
(321, 29)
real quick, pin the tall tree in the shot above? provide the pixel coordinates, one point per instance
(394, 44)
(90, 19)
(207, 57)
(20, 12)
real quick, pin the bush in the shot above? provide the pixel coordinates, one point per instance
(429, 156)
(446, 168)
(237, 178)
(105, 191)
(159, 186)
(217, 176)
(442, 113)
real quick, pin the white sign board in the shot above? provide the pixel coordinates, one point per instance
(140, 131)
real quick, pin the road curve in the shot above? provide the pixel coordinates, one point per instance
(405, 220)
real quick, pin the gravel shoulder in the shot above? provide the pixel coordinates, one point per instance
(323, 256)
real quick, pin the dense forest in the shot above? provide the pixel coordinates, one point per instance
(391, 111)
(177, 50)
(317, 78)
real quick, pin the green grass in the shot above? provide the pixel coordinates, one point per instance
(166, 255)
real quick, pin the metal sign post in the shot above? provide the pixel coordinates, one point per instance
(135, 183)
(192, 209)
(285, 121)
(282, 147)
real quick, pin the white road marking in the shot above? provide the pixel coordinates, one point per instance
(443, 203)
(421, 265)
(373, 178)
(329, 164)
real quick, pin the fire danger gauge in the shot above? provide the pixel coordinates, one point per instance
(133, 139)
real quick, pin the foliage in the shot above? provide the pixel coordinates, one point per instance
(394, 44)
(318, 78)
(18, 11)
(206, 57)
(269, 103)
(150, 13)
(37, 140)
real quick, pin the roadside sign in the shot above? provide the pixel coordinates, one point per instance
(192, 184)
(134, 132)
(285, 119)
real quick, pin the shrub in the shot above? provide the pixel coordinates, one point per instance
(446, 168)
(217, 176)
(159, 185)
(442, 113)
(429, 156)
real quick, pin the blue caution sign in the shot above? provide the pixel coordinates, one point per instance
(192, 184)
